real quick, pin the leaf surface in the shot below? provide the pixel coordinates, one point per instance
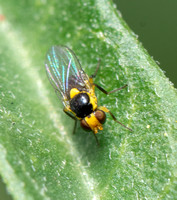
(39, 156)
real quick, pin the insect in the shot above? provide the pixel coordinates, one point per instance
(76, 89)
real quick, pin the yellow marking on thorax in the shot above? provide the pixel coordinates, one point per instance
(74, 92)
(93, 101)
(93, 123)
(91, 93)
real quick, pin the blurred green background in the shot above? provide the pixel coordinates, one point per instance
(155, 23)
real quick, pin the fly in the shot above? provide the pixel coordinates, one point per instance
(76, 89)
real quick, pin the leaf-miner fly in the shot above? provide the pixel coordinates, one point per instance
(76, 89)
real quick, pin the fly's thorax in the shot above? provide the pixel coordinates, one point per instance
(82, 103)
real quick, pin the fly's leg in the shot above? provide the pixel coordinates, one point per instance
(96, 139)
(75, 124)
(97, 68)
(112, 91)
(114, 118)
(99, 87)
(107, 93)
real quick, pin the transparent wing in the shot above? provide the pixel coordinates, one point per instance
(64, 71)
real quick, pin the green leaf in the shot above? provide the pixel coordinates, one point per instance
(39, 156)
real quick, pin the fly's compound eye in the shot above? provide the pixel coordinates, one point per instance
(101, 116)
(84, 125)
